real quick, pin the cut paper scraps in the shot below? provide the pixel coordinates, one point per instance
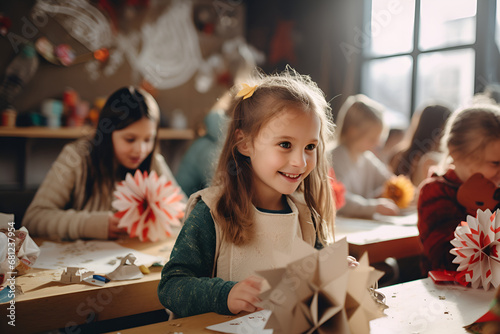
(318, 293)
(252, 323)
(99, 256)
(477, 249)
(148, 205)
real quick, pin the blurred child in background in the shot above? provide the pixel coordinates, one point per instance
(472, 141)
(359, 129)
(419, 151)
(74, 200)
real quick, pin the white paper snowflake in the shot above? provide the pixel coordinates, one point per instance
(477, 245)
(148, 205)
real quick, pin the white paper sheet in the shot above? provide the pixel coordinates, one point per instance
(253, 323)
(102, 257)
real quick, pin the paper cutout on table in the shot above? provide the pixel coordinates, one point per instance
(95, 255)
(478, 193)
(18, 252)
(477, 249)
(319, 293)
(126, 270)
(400, 190)
(409, 219)
(252, 323)
(148, 205)
(490, 321)
(75, 275)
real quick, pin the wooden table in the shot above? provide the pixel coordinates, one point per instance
(381, 240)
(414, 307)
(47, 305)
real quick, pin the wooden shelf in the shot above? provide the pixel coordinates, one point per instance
(73, 133)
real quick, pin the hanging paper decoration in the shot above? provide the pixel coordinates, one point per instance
(400, 190)
(170, 52)
(148, 205)
(65, 54)
(80, 19)
(5, 23)
(477, 249)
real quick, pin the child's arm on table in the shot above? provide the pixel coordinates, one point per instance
(49, 215)
(185, 286)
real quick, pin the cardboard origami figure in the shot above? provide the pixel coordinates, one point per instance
(126, 269)
(75, 275)
(319, 293)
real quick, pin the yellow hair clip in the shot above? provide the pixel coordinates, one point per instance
(246, 91)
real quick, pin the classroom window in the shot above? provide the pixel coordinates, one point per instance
(420, 52)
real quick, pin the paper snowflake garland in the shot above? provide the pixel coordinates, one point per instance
(148, 205)
(477, 249)
(318, 293)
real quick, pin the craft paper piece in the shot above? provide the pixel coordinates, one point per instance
(99, 256)
(488, 322)
(252, 323)
(148, 205)
(400, 190)
(338, 189)
(319, 293)
(75, 275)
(126, 269)
(476, 248)
(18, 252)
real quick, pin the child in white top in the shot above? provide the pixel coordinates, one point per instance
(360, 127)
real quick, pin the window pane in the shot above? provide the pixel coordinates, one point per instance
(445, 77)
(497, 30)
(388, 81)
(391, 27)
(447, 23)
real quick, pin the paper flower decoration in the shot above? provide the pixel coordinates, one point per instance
(477, 249)
(148, 205)
(338, 189)
(319, 293)
(400, 190)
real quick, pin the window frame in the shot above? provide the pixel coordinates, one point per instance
(486, 51)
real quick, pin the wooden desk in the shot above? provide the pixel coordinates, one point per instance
(380, 240)
(414, 307)
(423, 307)
(47, 305)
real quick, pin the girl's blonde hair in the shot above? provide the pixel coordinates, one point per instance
(273, 95)
(358, 111)
(469, 130)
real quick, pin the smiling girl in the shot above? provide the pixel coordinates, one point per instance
(472, 141)
(74, 200)
(270, 192)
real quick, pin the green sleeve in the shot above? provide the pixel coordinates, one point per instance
(186, 287)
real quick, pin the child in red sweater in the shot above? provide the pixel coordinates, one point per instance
(472, 139)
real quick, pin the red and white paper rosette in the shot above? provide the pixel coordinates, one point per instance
(148, 205)
(477, 246)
